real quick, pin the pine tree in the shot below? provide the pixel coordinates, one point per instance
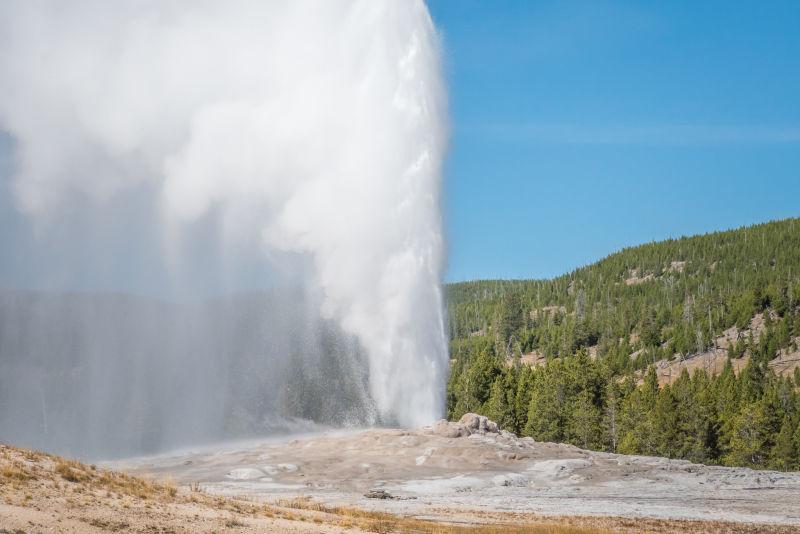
(638, 433)
(611, 415)
(748, 443)
(475, 382)
(510, 322)
(784, 454)
(522, 398)
(727, 405)
(584, 428)
(547, 408)
(702, 426)
(797, 443)
(500, 406)
(751, 382)
(664, 422)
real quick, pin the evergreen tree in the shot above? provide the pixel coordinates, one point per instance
(751, 382)
(522, 397)
(727, 396)
(615, 393)
(584, 428)
(638, 433)
(664, 422)
(784, 454)
(546, 414)
(500, 406)
(749, 440)
(510, 322)
(700, 420)
(475, 384)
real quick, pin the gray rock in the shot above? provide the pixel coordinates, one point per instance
(449, 430)
(478, 424)
(379, 494)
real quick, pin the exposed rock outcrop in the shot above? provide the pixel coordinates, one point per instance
(470, 423)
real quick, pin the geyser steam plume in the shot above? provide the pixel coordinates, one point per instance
(315, 129)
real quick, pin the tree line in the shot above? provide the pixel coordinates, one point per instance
(750, 419)
(658, 301)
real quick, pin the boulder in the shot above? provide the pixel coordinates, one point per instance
(470, 423)
(478, 424)
(379, 494)
(447, 429)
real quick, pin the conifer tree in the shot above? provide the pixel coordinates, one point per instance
(784, 454)
(547, 408)
(522, 397)
(500, 406)
(748, 445)
(664, 422)
(584, 428)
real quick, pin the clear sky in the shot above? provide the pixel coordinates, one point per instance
(579, 128)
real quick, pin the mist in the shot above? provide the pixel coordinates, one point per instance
(231, 212)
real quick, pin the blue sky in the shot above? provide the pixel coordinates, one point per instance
(579, 128)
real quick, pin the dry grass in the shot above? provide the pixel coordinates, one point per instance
(515, 529)
(71, 471)
(381, 522)
(92, 478)
(170, 487)
(497, 523)
(15, 471)
(21, 465)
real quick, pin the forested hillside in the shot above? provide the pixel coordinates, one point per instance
(685, 348)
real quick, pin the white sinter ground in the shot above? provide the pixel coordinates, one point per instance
(449, 470)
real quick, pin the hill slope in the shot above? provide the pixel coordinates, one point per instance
(722, 305)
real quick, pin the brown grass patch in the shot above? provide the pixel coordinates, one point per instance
(71, 471)
(516, 523)
(95, 479)
(384, 523)
(16, 471)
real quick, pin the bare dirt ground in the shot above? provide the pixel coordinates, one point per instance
(470, 473)
(43, 493)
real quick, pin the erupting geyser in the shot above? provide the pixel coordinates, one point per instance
(312, 131)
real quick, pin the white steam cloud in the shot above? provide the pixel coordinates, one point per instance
(315, 127)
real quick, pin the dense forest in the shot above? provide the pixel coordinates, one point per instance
(582, 358)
